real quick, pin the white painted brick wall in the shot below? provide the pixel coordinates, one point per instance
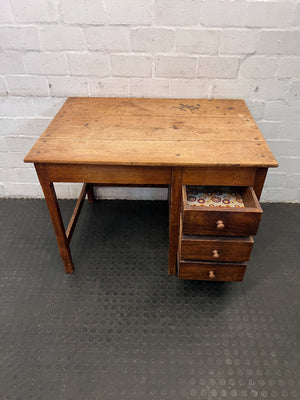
(152, 40)
(50, 50)
(3, 89)
(131, 65)
(269, 14)
(82, 11)
(31, 11)
(19, 38)
(178, 67)
(44, 63)
(108, 38)
(89, 64)
(218, 67)
(197, 41)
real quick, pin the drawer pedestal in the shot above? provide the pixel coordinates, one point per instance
(216, 242)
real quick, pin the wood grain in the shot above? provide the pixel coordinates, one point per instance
(151, 153)
(109, 174)
(233, 272)
(54, 211)
(174, 217)
(153, 132)
(228, 248)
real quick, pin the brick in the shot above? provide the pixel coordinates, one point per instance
(288, 164)
(11, 63)
(8, 174)
(14, 144)
(269, 14)
(47, 107)
(258, 67)
(149, 87)
(109, 87)
(6, 13)
(8, 126)
(62, 86)
(218, 67)
(232, 88)
(279, 42)
(31, 11)
(23, 190)
(238, 41)
(175, 67)
(26, 175)
(11, 160)
(197, 41)
(133, 193)
(3, 89)
(256, 108)
(152, 40)
(289, 67)
(3, 145)
(189, 88)
(294, 92)
(106, 38)
(270, 89)
(19, 85)
(32, 126)
(16, 106)
(57, 38)
(83, 11)
(296, 19)
(127, 65)
(20, 143)
(89, 64)
(177, 12)
(286, 148)
(129, 12)
(271, 129)
(280, 111)
(221, 13)
(19, 38)
(279, 179)
(291, 129)
(75, 189)
(272, 194)
(45, 63)
(62, 190)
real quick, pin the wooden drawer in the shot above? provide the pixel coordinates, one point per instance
(216, 248)
(220, 220)
(209, 271)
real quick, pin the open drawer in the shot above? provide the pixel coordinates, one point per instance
(208, 218)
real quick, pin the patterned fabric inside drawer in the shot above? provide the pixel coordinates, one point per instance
(214, 196)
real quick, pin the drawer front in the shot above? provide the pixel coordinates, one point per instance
(211, 248)
(222, 221)
(206, 271)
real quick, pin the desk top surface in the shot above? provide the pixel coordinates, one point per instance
(154, 132)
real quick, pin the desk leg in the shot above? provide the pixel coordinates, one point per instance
(174, 217)
(90, 193)
(53, 207)
(260, 177)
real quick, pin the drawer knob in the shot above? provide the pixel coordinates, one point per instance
(211, 274)
(220, 224)
(215, 254)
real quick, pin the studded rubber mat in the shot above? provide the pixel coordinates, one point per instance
(121, 328)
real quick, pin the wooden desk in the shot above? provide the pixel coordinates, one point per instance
(163, 142)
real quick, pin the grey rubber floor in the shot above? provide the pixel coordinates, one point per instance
(121, 328)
